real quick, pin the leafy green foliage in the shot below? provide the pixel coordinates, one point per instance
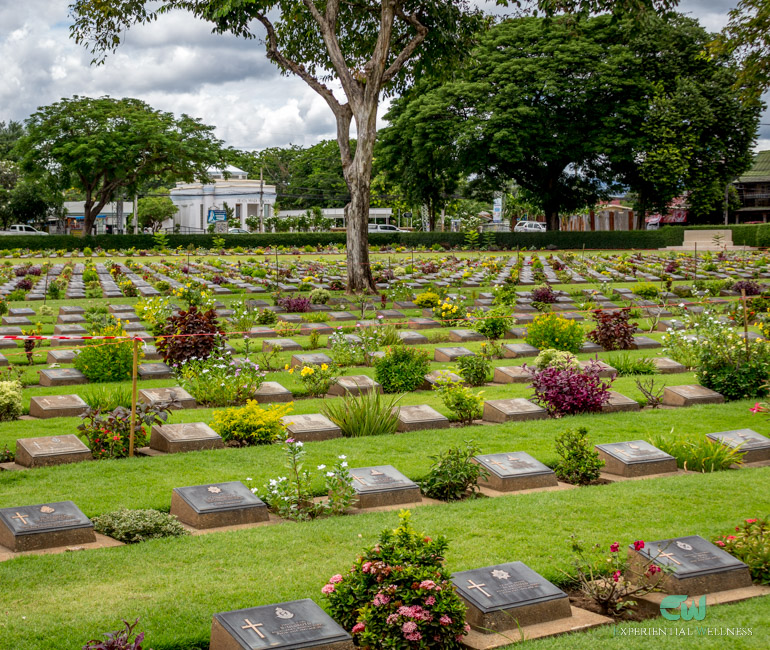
(402, 369)
(10, 400)
(466, 406)
(251, 424)
(474, 369)
(750, 543)
(453, 474)
(107, 360)
(627, 365)
(154, 210)
(699, 454)
(555, 332)
(368, 414)
(580, 463)
(493, 323)
(134, 526)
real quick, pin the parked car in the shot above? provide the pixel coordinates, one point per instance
(384, 227)
(238, 231)
(529, 226)
(21, 229)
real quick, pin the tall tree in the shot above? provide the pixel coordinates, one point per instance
(152, 211)
(9, 135)
(105, 145)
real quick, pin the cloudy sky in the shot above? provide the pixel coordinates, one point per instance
(177, 65)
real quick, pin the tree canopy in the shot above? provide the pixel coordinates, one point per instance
(152, 211)
(104, 146)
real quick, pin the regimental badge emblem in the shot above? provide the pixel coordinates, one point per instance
(684, 546)
(47, 510)
(500, 574)
(214, 489)
(283, 613)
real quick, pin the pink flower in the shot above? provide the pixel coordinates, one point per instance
(392, 619)
(381, 599)
(358, 628)
(335, 579)
(409, 627)
(757, 408)
(719, 542)
(638, 545)
(427, 584)
(327, 589)
(616, 576)
(731, 537)
(365, 568)
(466, 628)
(290, 441)
(614, 547)
(751, 521)
(430, 601)
(445, 620)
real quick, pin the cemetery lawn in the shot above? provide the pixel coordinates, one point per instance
(175, 585)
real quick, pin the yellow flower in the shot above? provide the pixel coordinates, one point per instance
(307, 371)
(286, 367)
(324, 367)
(291, 371)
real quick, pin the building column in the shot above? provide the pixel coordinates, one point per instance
(244, 214)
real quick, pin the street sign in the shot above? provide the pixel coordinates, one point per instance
(217, 215)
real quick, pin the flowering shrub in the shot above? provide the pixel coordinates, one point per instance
(316, 379)
(191, 334)
(10, 400)
(749, 286)
(609, 579)
(194, 295)
(398, 594)
(465, 405)
(134, 526)
(125, 639)
(107, 360)
(544, 294)
(566, 391)
(751, 545)
(291, 496)
(251, 424)
(646, 290)
(613, 330)
(220, 380)
(402, 369)
(557, 332)
(580, 463)
(107, 435)
(427, 300)
(494, 323)
(295, 305)
(155, 311)
(449, 312)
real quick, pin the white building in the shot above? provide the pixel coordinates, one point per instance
(246, 197)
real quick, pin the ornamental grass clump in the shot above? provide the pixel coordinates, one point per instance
(563, 390)
(399, 595)
(368, 414)
(699, 454)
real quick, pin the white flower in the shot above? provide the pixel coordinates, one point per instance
(320, 467)
(253, 490)
(342, 457)
(249, 479)
(343, 465)
(329, 474)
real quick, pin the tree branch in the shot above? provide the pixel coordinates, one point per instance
(409, 48)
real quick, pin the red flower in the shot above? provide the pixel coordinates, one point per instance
(751, 521)
(616, 576)
(638, 545)
(614, 547)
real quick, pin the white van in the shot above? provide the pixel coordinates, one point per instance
(529, 226)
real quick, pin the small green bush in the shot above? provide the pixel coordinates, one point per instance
(466, 406)
(320, 296)
(402, 369)
(646, 290)
(427, 300)
(494, 323)
(133, 526)
(550, 357)
(627, 365)
(107, 360)
(453, 474)
(251, 424)
(556, 332)
(266, 317)
(474, 369)
(580, 463)
(10, 400)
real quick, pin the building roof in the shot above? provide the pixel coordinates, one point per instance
(760, 170)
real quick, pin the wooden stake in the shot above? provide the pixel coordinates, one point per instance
(745, 322)
(134, 374)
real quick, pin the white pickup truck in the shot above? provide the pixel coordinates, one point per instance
(21, 229)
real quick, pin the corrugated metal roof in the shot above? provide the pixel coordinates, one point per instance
(760, 170)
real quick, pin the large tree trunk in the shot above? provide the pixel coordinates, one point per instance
(552, 217)
(358, 175)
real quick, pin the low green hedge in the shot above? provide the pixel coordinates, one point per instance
(754, 235)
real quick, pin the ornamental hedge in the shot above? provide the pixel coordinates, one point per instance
(753, 235)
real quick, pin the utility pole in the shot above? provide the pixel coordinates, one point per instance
(136, 216)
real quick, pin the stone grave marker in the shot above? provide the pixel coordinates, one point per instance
(18, 321)
(283, 626)
(435, 375)
(515, 471)
(605, 370)
(49, 525)
(260, 332)
(507, 596)
(668, 366)
(311, 427)
(391, 314)
(635, 458)
(620, 403)
(354, 385)
(516, 350)
(512, 410)
(60, 356)
(418, 417)
(21, 311)
(271, 391)
(755, 446)
(51, 450)
(699, 567)
(511, 375)
(352, 339)
(340, 316)
(644, 343)
(422, 324)
(56, 406)
(589, 347)
(383, 485)
(409, 337)
(290, 318)
(155, 371)
(464, 336)
(443, 355)
(182, 437)
(217, 504)
(322, 328)
(61, 377)
(316, 358)
(176, 393)
(690, 396)
(70, 319)
(288, 345)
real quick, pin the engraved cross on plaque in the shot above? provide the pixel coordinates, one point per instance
(670, 556)
(253, 626)
(360, 479)
(498, 463)
(473, 585)
(376, 473)
(22, 517)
